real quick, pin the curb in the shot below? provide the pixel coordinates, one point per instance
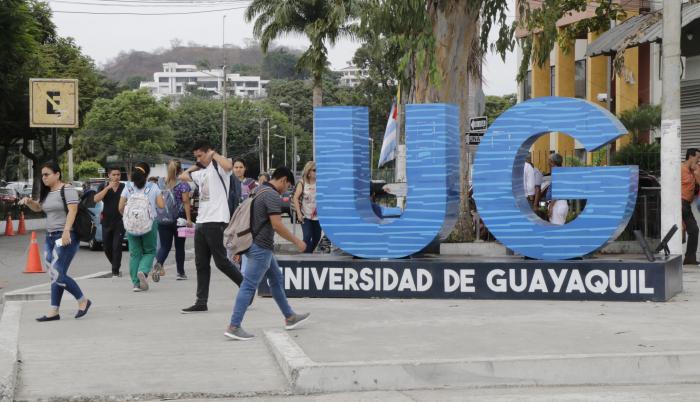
(9, 349)
(307, 376)
(43, 292)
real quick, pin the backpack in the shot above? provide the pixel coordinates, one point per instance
(238, 235)
(138, 219)
(233, 191)
(301, 200)
(169, 214)
(83, 224)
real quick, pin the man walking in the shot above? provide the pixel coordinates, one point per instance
(112, 225)
(261, 263)
(211, 175)
(689, 189)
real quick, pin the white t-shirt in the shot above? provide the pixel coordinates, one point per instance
(531, 177)
(213, 198)
(559, 212)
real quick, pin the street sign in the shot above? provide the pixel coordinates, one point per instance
(478, 124)
(53, 102)
(477, 128)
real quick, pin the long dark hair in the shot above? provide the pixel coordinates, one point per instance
(44, 188)
(140, 174)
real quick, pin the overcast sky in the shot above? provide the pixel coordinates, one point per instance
(103, 36)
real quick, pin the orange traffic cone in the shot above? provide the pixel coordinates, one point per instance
(34, 258)
(22, 229)
(9, 230)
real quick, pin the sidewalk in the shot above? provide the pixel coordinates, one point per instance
(139, 346)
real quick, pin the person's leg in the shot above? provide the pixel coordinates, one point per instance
(315, 234)
(135, 253)
(308, 233)
(65, 257)
(116, 245)
(149, 250)
(50, 257)
(202, 260)
(691, 227)
(166, 242)
(276, 282)
(215, 240)
(257, 264)
(107, 239)
(179, 253)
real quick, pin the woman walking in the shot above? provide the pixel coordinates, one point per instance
(247, 184)
(60, 203)
(138, 208)
(180, 193)
(305, 206)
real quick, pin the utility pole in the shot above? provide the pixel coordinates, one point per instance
(671, 124)
(223, 114)
(268, 146)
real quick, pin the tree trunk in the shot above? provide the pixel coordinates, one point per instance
(455, 28)
(317, 101)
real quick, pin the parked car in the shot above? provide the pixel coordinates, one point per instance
(89, 190)
(287, 206)
(8, 195)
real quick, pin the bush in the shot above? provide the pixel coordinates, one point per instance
(646, 156)
(88, 169)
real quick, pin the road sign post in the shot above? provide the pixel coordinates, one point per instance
(53, 103)
(477, 128)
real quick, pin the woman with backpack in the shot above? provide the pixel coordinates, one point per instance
(61, 207)
(138, 207)
(176, 196)
(247, 184)
(305, 206)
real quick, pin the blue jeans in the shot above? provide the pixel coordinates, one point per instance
(58, 259)
(312, 234)
(260, 263)
(166, 234)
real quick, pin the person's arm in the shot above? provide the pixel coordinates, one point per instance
(160, 202)
(225, 163)
(70, 218)
(122, 204)
(278, 226)
(100, 195)
(185, 176)
(31, 203)
(538, 194)
(297, 193)
(187, 207)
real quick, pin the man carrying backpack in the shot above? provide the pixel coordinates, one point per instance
(112, 225)
(265, 220)
(212, 176)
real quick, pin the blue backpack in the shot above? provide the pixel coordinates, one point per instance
(169, 214)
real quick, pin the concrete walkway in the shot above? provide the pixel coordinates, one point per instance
(139, 346)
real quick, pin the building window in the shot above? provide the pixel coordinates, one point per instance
(580, 79)
(250, 84)
(552, 83)
(163, 79)
(527, 86)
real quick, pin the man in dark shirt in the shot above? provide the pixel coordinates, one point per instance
(112, 225)
(261, 263)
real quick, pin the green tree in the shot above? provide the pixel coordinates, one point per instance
(133, 124)
(279, 65)
(495, 105)
(88, 169)
(323, 22)
(134, 81)
(641, 118)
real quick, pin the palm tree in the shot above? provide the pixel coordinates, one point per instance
(321, 21)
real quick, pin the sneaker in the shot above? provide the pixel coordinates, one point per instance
(117, 275)
(238, 334)
(296, 320)
(136, 289)
(155, 272)
(143, 282)
(181, 277)
(197, 308)
(162, 270)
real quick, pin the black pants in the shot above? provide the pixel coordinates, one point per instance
(691, 227)
(112, 238)
(209, 242)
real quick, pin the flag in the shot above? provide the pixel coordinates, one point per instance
(388, 152)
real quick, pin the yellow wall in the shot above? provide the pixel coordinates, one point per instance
(596, 78)
(540, 87)
(565, 85)
(627, 93)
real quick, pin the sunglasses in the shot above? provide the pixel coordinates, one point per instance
(46, 174)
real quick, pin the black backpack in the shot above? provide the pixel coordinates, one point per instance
(234, 190)
(83, 224)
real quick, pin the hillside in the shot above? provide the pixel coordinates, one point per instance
(143, 64)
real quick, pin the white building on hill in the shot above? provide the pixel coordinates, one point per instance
(177, 79)
(351, 76)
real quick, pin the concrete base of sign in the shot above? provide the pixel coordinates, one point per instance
(445, 277)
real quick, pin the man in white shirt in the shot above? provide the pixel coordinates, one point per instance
(557, 210)
(212, 175)
(532, 178)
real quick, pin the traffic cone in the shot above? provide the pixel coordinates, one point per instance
(34, 258)
(22, 229)
(9, 230)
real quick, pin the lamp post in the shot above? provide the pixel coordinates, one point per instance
(223, 115)
(261, 155)
(268, 143)
(286, 105)
(285, 146)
